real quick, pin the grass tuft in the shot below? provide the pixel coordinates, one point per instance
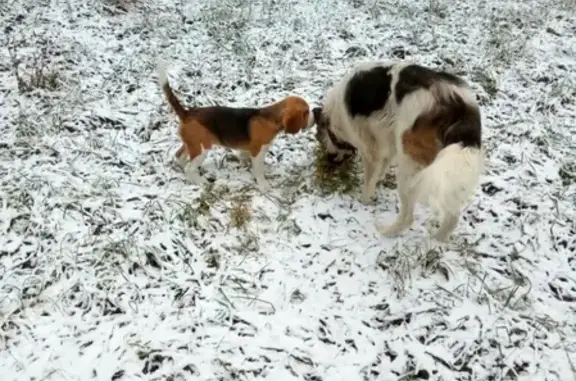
(567, 173)
(38, 75)
(240, 211)
(208, 197)
(330, 179)
(190, 212)
(116, 7)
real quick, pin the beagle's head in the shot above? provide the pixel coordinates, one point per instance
(296, 115)
(337, 150)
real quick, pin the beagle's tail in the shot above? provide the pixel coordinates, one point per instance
(170, 96)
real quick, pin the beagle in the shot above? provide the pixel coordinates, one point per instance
(427, 120)
(250, 130)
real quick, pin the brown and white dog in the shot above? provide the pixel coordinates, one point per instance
(250, 130)
(428, 120)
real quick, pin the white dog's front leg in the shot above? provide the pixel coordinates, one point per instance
(403, 220)
(405, 173)
(373, 168)
(368, 168)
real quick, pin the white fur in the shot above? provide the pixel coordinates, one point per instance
(193, 166)
(161, 71)
(183, 159)
(258, 168)
(446, 185)
(311, 120)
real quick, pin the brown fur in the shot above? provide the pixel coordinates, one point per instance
(450, 122)
(421, 143)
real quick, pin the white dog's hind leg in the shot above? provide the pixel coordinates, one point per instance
(407, 195)
(448, 222)
(448, 184)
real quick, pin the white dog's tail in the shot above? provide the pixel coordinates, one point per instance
(450, 181)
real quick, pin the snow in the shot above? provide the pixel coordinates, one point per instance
(114, 267)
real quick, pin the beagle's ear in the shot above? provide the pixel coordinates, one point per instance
(295, 120)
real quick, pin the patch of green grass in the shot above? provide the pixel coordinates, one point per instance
(240, 210)
(39, 76)
(201, 206)
(330, 179)
(249, 243)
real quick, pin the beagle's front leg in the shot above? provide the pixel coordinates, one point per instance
(258, 166)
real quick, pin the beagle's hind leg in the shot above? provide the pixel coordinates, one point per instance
(181, 156)
(197, 156)
(448, 223)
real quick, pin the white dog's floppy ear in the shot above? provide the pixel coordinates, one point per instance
(317, 112)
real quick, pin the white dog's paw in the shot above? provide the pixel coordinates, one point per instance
(442, 228)
(388, 230)
(394, 229)
(441, 236)
(443, 233)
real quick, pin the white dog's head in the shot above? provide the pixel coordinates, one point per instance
(337, 150)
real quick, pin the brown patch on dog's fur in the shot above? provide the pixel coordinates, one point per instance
(262, 132)
(421, 142)
(452, 122)
(195, 136)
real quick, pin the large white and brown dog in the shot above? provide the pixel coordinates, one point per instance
(426, 120)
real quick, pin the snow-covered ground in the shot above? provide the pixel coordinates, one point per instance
(114, 267)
